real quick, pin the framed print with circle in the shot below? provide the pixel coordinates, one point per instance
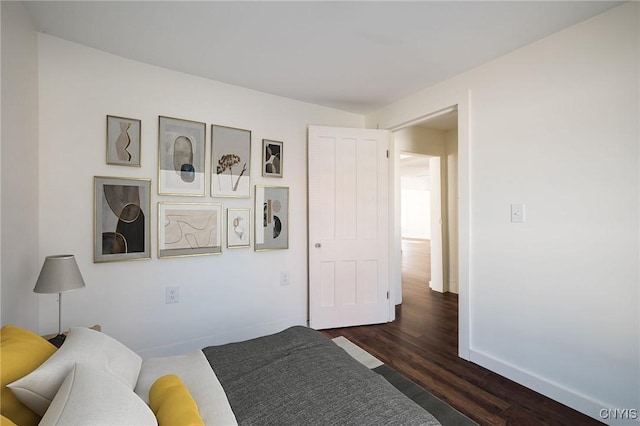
(230, 162)
(238, 228)
(181, 157)
(189, 229)
(271, 158)
(272, 218)
(123, 141)
(121, 219)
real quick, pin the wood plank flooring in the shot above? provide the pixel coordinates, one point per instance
(422, 344)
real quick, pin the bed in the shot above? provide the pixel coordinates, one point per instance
(294, 377)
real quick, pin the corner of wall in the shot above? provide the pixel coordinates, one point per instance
(19, 158)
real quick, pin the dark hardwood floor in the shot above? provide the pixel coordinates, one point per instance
(422, 344)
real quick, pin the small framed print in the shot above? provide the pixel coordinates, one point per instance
(123, 141)
(121, 219)
(181, 157)
(238, 228)
(271, 158)
(189, 229)
(272, 218)
(230, 162)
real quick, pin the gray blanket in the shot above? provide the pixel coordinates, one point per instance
(300, 377)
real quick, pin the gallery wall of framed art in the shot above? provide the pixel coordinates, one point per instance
(123, 211)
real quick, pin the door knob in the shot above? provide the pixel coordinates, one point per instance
(318, 245)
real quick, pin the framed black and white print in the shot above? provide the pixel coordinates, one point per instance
(181, 157)
(272, 218)
(238, 228)
(121, 219)
(271, 158)
(230, 162)
(123, 141)
(189, 229)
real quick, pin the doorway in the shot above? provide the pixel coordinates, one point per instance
(421, 212)
(430, 148)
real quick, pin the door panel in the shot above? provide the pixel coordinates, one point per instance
(348, 227)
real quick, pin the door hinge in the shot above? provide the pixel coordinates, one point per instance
(387, 295)
(387, 153)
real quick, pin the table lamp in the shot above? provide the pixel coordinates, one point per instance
(59, 273)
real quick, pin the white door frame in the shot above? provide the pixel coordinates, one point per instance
(464, 212)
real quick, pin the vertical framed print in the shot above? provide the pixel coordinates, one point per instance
(230, 162)
(181, 157)
(271, 158)
(238, 228)
(123, 141)
(272, 218)
(189, 229)
(121, 219)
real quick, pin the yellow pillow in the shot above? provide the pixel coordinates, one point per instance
(21, 352)
(6, 422)
(172, 403)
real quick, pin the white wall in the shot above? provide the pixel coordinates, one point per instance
(416, 210)
(19, 261)
(233, 296)
(552, 303)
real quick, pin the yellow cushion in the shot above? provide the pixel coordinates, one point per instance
(6, 422)
(172, 403)
(21, 352)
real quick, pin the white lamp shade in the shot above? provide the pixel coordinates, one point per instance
(59, 273)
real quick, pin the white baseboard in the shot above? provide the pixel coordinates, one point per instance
(454, 287)
(582, 403)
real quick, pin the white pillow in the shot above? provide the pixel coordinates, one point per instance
(196, 373)
(91, 397)
(37, 389)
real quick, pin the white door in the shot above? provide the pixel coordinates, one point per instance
(348, 227)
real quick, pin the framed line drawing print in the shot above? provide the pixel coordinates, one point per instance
(123, 141)
(238, 228)
(271, 158)
(181, 157)
(121, 219)
(230, 162)
(272, 218)
(189, 229)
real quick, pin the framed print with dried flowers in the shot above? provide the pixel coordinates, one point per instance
(230, 162)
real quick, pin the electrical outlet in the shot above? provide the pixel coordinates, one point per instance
(172, 294)
(284, 278)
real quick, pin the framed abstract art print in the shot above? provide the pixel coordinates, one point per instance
(121, 219)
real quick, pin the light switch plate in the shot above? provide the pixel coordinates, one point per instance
(517, 213)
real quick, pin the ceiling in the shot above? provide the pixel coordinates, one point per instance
(355, 56)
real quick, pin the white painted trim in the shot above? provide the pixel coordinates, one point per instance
(464, 226)
(544, 386)
(462, 102)
(425, 117)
